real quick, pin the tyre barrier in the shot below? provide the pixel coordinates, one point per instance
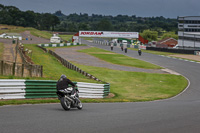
(58, 45)
(24, 89)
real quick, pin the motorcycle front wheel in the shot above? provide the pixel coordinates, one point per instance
(80, 106)
(65, 103)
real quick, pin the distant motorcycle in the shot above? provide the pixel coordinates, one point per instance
(69, 98)
(139, 52)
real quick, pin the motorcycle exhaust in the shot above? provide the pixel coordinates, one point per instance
(71, 100)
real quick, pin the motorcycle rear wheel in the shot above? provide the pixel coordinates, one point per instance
(65, 104)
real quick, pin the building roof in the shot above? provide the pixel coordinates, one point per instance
(167, 42)
(189, 18)
(55, 37)
(166, 39)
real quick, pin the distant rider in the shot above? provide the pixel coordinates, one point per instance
(125, 48)
(122, 47)
(111, 46)
(139, 52)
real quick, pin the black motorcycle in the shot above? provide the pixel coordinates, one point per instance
(139, 52)
(69, 98)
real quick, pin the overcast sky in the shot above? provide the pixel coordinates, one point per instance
(143, 8)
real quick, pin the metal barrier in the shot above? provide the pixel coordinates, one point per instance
(182, 51)
(68, 64)
(21, 89)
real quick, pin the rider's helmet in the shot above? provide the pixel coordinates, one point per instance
(63, 76)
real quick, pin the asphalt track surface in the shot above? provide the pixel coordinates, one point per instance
(180, 114)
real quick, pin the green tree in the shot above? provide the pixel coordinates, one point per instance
(48, 21)
(105, 25)
(170, 34)
(54, 21)
(150, 35)
(83, 26)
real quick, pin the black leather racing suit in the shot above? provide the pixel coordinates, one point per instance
(62, 84)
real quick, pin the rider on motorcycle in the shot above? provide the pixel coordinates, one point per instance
(62, 84)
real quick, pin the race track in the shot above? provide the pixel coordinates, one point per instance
(179, 114)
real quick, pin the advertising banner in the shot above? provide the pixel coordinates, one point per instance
(109, 34)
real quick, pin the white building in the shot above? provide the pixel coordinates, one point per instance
(55, 39)
(189, 31)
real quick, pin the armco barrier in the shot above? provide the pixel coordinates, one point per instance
(68, 64)
(182, 51)
(21, 89)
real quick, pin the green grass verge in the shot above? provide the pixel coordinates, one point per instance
(38, 33)
(163, 53)
(53, 48)
(87, 38)
(19, 29)
(119, 59)
(52, 69)
(153, 52)
(138, 86)
(66, 37)
(127, 86)
(11, 29)
(27, 101)
(184, 58)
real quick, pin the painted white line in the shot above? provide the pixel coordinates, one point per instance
(179, 58)
(183, 90)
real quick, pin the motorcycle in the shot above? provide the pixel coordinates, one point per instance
(69, 98)
(139, 52)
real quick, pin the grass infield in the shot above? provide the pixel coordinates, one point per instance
(138, 86)
(154, 52)
(126, 86)
(118, 58)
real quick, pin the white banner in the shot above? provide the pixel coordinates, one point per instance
(108, 34)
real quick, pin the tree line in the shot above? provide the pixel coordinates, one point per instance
(11, 15)
(75, 22)
(58, 21)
